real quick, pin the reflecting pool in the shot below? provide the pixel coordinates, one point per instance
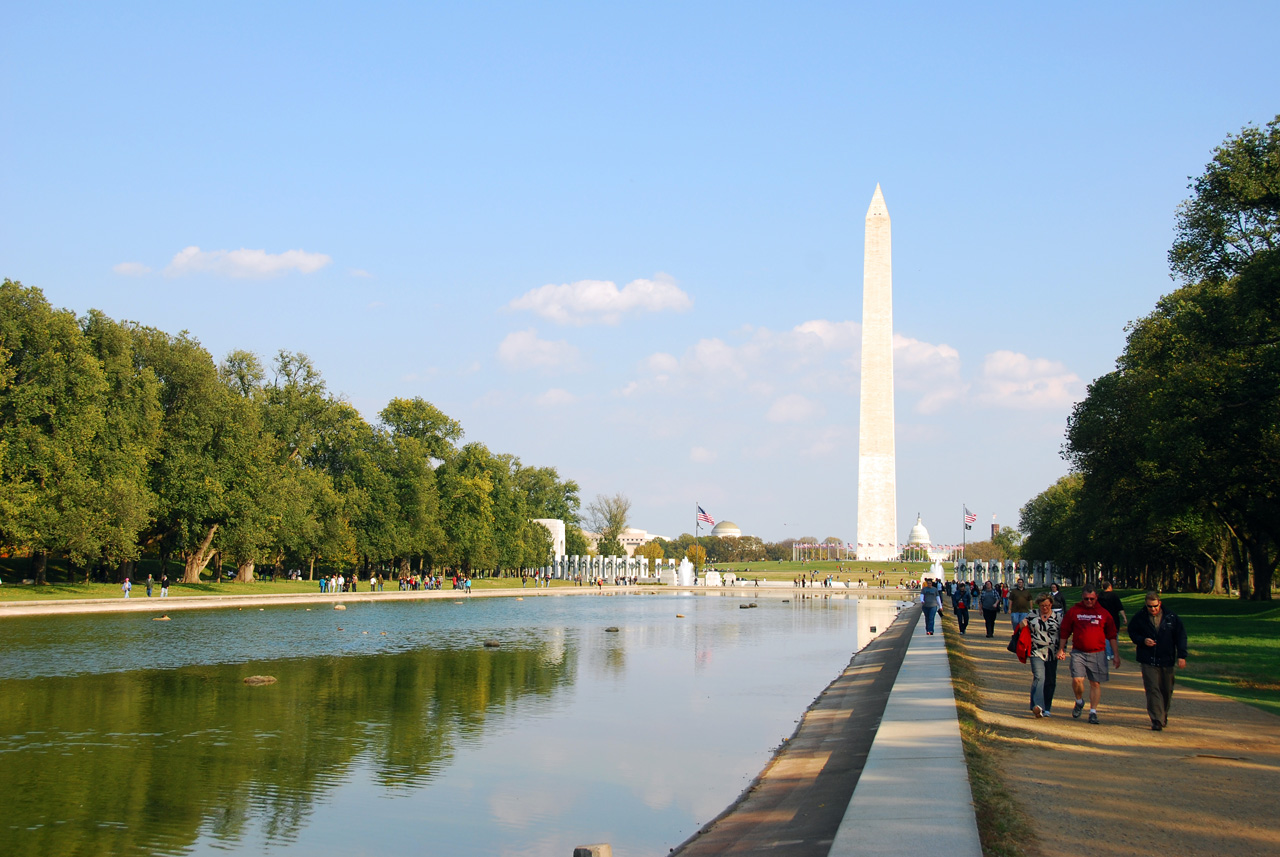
(392, 729)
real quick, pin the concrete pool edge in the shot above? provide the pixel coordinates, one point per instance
(796, 804)
(73, 606)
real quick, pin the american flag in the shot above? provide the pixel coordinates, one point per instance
(704, 517)
(969, 517)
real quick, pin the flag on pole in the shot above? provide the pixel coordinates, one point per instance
(705, 518)
(969, 518)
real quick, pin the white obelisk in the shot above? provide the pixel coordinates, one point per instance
(877, 466)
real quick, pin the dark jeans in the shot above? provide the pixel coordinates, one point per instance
(1044, 681)
(990, 617)
(1158, 683)
(962, 619)
(929, 613)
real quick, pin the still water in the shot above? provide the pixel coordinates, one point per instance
(393, 730)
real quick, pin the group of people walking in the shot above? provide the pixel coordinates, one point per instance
(1086, 636)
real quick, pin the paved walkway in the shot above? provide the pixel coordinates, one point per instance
(915, 782)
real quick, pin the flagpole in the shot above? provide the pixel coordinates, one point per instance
(697, 524)
(964, 529)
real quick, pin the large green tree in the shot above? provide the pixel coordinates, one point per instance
(51, 417)
(1234, 210)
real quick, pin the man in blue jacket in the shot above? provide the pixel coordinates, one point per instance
(1161, 639)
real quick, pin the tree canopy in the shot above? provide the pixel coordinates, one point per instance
(118, 439)
(1176, 453)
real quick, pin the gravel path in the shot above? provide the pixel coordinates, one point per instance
(1207, 785)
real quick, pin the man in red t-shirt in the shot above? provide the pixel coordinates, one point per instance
(1089, 627)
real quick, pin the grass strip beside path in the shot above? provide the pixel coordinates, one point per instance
(1003, 827)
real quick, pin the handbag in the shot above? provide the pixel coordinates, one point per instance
(1020, 643)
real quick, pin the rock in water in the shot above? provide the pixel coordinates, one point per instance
(339, 607)
(160, 619)
(260, 679)
(612, 629)
(491, 644)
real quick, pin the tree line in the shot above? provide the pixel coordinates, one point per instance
(118, 439)
(1175, 455)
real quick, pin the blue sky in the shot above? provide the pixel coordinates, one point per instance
(625, 240)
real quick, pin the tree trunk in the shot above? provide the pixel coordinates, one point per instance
(199, 558)
(244, 572)
(311, 568)
(39, 563)
(1263, 569)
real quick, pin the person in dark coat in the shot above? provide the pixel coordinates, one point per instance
(989, 601)
(1161, 639)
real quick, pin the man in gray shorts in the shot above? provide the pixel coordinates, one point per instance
(1089, 627)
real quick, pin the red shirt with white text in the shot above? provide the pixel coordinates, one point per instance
(1088, 627)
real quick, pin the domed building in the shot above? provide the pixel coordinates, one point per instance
(919, 537)
(726, 530)
(919, 545)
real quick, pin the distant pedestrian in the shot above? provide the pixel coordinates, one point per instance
(930, 599)
(1059, 600)
(1019, 602)
(989, 601)
(164, 585)
(1161, 639)
(1089, 627)
(125, 587)
(150, 583)
(1109, 600)
(960, 606)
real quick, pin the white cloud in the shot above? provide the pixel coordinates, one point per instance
(931, 370)
(601, 301)
(555, 397)
(1015, 380)
(702, 455)
(522, 349)
(818, 355)
(250, 264)
(794, 408)
(360, 272)
(131, 269)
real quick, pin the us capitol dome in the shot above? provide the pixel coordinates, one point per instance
(919, 535)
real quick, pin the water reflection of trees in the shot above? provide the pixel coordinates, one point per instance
(144, 762)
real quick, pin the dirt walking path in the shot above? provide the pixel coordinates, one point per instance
(1207, 785)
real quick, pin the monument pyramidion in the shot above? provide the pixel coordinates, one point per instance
(877, 462)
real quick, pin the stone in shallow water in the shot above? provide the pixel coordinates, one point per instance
(260, 679)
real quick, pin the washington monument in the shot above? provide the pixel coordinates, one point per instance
(877, 465)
